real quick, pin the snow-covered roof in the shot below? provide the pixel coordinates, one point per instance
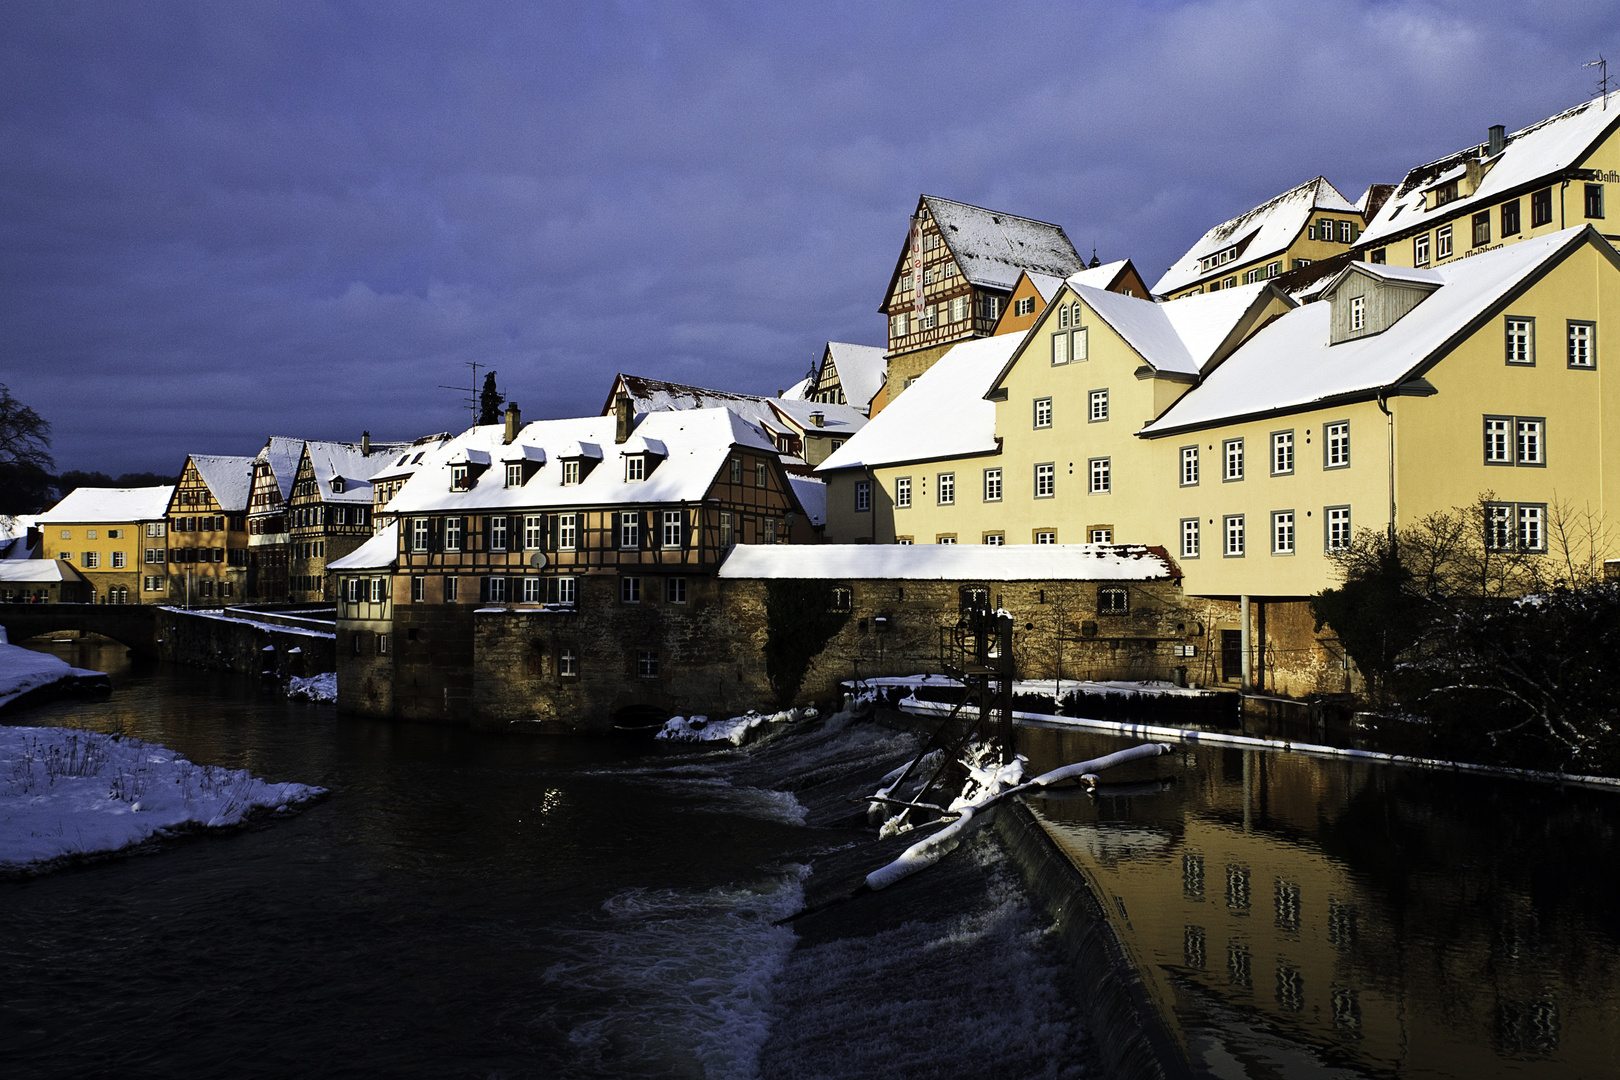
(655, 395)
(812, 494)
(949, 562)
(18, 547)
(281, 453)
(861, 371)
(1291, 365)
(378, 553)
(1098, 277)
(1049, 284)
(798, 389)
(229, 478)
(1266, 230)
(992, 248)
(333, 459)
(1542, 150)
(943, 414)
(841, 420)
(91, 505)
(37, 571)
(698, 443)
(408, 459)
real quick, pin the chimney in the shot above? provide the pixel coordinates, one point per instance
(365, 444)
(818, 419)
(1497, 142)
(626, 420)
(514, 421)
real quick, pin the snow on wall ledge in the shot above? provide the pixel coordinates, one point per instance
(950, 562)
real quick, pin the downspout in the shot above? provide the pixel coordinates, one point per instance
(1382, 407)
(1246, 666)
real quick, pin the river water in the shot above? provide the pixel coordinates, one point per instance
(473, 904)
(486, 905)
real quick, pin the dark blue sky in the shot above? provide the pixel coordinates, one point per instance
(223, 221)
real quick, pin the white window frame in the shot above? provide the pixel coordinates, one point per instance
(1336, 526)
(902, 493)
(674, 534)
(675, 590)
(629, 530)
(1097, 411)
(1232, 530)
(1043, 413)
(1101, 473)
(1336, 444)
(497, 532)
(1282, 453)
(630, 589)
(1282, 532)
(1582, 337)
(1189, 538)
(452, 533)
(534, 532)
(570, 472)
(1519, 340)
(1045, 480)
(1530, 441)
(514, 474)
(992, 485)
(1046, 536)
(1231, 460)
(567, 532)
(635, 468)
(1498, 440)
(945, 488)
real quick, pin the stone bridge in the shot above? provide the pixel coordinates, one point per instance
(132, 625)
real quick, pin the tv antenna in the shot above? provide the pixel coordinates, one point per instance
(472, 391)
(1603, 77)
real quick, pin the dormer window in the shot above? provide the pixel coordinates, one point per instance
(635, 467)
(459, 480)
(337, 485)
(514, 474)
(570, 472)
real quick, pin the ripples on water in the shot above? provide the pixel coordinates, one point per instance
(488, 905)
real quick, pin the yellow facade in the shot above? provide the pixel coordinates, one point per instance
(1511, 218)
(1308, 247)
(1438, 444)
(108, 554)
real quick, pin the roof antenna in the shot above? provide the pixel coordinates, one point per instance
(1603, 77)
(471, 391)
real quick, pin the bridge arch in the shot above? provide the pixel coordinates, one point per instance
(131, 625)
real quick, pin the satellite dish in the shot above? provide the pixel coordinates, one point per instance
(538, 559)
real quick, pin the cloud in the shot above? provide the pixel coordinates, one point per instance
(220, 221)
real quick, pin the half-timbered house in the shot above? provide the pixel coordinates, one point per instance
(207, 526)
(604, 525)
(953, 278)
(329, 510)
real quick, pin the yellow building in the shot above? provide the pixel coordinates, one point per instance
(1034, 291)
(116, 538)
(1550, 176)
(1303, 225)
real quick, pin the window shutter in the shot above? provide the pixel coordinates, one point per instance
(551, 523)
(434, 532)
(483, 590)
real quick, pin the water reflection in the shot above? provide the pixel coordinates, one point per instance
(1372, 920)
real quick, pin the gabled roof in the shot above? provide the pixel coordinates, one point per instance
(698, 443)
(943, 414)
(797, 391)
(281, 453)
(861, 370)
(992, 248)
(37, 571)
(1266, 230)
(1539, 152)
(1290, 364)
(1180, 336)
(838, 420)
(408, 459)
(230, 479)
(812, 495)
(950, 562)
(333, 459)
(112, 505)
(378, 553)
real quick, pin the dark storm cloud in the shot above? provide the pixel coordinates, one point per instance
(226, 221)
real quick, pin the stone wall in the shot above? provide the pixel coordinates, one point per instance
(365, 666)
(239, 645)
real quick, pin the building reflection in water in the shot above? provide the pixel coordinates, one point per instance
(1420, 923)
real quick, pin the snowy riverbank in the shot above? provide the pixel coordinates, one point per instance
(67, 794)
(23, 671)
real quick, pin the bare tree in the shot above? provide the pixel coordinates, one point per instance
(25, 456)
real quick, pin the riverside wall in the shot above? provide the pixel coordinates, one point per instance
(248, 647)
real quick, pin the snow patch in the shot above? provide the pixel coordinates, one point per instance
(322, 687)
(65, 792)
(734, 731)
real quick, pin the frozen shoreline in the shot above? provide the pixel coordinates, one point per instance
(67, 795)
(24, 671)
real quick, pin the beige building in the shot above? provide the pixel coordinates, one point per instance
(208, 533)
(1301, 226)
(1553, 175)
(116, 538)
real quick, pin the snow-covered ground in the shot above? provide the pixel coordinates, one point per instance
(67, 793)
(322, 687)
(734, 731)
(22, 670)
(1055, 689)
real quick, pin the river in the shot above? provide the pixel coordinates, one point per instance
(488, 905)
(475, 904)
